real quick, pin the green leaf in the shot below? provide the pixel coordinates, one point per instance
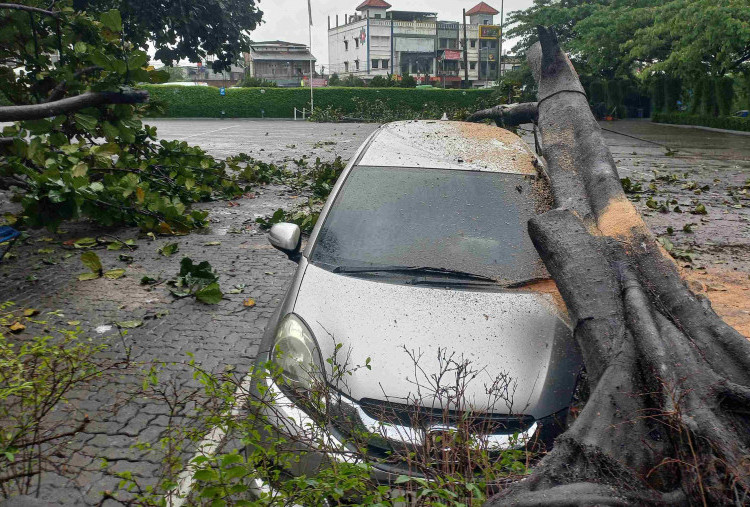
(205, 475)
(92, 261)
(169, 249)
(210, 294)
(85, 243)
(112, 20)
(88, 276)
(114, 274)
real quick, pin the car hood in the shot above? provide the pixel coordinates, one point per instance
(520, 334)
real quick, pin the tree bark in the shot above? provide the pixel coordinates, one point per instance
(668, 420)
(71, 104)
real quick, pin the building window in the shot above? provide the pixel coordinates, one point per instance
(486, 22)
(377, 16)
(356, 43)
(375, 64)
(493, 44)
(385, 64)
(473, 43)
(356, 64)
(346, 45)
(472, 65)
(346, 66)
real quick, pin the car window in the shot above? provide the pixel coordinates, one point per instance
(448, 219)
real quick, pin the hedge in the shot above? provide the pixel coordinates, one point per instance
(719, 122)
(206, 102)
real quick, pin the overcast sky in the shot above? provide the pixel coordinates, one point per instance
(287, 19)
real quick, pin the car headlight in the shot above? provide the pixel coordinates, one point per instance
(296, 354)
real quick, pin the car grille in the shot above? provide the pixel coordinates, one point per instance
(414, 415)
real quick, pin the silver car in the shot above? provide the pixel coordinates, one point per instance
(419, 268)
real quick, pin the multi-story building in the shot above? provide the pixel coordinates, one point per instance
(376, 40)
(286, 63)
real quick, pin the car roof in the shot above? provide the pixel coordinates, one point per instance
(440, 144)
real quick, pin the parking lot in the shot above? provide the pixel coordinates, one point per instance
(708, 168)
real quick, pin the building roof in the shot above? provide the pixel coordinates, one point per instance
(380, 4)
(482, 8)
(277, 43)
(285, 56)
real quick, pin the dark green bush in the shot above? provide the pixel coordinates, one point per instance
(725, 95)
(408, 81)
(205, 101)
(334, 80)
(719, 122)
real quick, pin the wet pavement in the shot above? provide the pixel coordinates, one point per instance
(700, 168)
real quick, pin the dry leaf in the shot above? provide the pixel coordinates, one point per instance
(249, 302)
(16, 327)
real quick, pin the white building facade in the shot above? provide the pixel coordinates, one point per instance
(377, 40)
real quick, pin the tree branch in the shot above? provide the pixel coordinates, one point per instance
(72, 104)
(508, 115)
(59, 90)
(27, 8)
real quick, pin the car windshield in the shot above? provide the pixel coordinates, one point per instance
(466, 221)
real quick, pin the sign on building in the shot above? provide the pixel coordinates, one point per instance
(489, 31)
(451, 54)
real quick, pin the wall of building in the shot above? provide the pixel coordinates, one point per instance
(405, 46)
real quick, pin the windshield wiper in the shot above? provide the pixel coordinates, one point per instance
(414, 270)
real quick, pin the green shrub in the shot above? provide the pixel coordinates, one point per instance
(719, 122)
(408, 81)
(205, 101)
(334, 80)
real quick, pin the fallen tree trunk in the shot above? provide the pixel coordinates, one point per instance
(71, 105)
(668, 420)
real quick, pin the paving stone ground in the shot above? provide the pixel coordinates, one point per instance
(228, 334)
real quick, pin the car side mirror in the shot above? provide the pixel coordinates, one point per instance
(287, 238)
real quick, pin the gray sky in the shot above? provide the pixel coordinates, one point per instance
(287, 19)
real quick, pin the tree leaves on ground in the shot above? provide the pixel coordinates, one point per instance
(199, 280)
(92, 261)
(169, 249)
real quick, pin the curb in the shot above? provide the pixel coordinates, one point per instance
(710, 129)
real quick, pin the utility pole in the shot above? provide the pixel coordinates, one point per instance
(312, 63)
(466, 55)
(502, 12)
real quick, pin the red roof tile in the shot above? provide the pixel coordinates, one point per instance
(374, 3)
(482, 8)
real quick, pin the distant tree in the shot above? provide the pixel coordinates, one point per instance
(334, 80)
(353, 81)
(408, 81)
(175, 73)
(185, 29)
(379, 82)
(619, 37)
